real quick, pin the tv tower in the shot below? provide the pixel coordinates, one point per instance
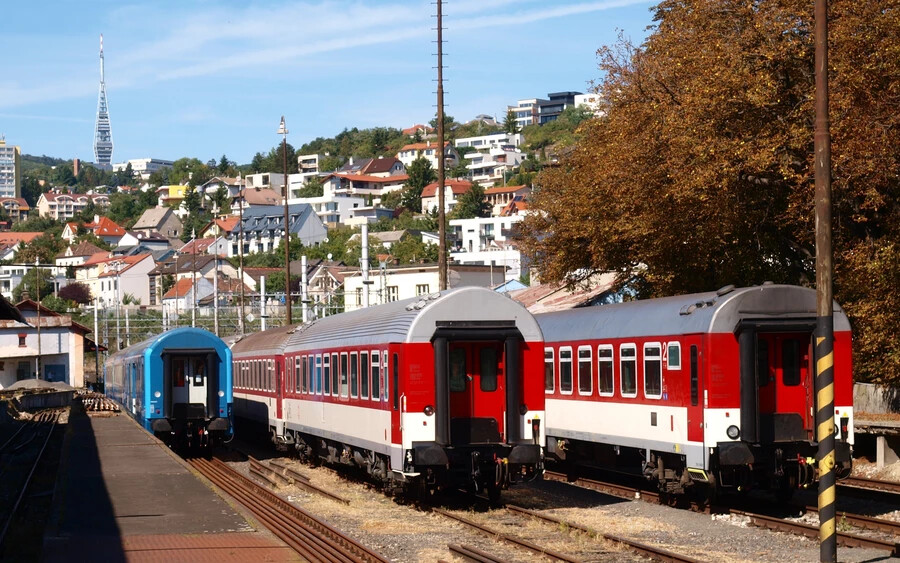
(103, 145)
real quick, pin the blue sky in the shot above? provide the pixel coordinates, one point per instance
(206, 78)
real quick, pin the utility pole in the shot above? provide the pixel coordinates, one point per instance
(37, 276)
(241, 250)
(96, 342)
(282, 130)
(442, 228)
(824, 382)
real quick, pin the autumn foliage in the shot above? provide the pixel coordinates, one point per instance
(700, 172)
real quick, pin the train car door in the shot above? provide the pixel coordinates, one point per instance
(396, 399)
(279, 386)
(198, 380)
(784, 359)
(477, 392)
(693, 365)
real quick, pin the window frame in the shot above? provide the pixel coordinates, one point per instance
(326, 374)
(562, 390)
(667, 346)
(364, 374)
(318, 374)
(622, 360)
(335, 376)
(552, 364)
(590, 375)
(344, 376)
(611, 360)
(658, 360)
(354, 375)
(376, 375)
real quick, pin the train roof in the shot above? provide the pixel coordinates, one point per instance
(268, 342)
(179, 338)
(713, 312)
(415, 320)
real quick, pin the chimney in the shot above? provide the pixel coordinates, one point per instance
(427, 143)
(96, 219)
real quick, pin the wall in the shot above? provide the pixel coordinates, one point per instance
(875, 399)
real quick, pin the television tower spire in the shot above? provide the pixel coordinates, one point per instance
(103, 145)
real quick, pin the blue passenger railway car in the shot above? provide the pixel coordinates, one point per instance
(177, 385)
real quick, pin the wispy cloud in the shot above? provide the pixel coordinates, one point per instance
(218, 40)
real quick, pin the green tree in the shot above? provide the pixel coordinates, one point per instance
(509, 124)
(471, 204)
(221, 199)
(312, 188)
(411, 249)
(122, 208)
(420, 175)
(31, 189)
(257, 164)
(700, 174)
(34, 279)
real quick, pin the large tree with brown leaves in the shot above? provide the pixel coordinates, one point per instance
(700, 172)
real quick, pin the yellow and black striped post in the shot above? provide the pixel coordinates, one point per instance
(824, 383)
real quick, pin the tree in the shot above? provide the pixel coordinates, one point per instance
(471, 204)
(221, 199)
(76, 292)
(420, 175)
(330, 163)
(257, 164)
(33, 278)
(699, 174)
(312, 188)
(223, 164)
(509, 124)
(449, 124)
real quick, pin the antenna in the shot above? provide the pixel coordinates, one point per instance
(103, 145)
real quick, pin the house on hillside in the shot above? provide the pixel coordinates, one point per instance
(103, 228)
(16, 208)
(380, 167)
(184, 295)
(62, 345)
(452, 190)
(499, 197)
(254, 197)
(111, 277)
(161, 220)
(63, 207)
(429, 151)
(263, 228)
(74, 255)
(487, 241)
(209, 188)
(186, 266)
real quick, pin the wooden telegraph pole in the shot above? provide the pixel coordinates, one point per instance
(442, 228)
(824, 383)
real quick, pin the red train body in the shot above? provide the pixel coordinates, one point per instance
(440, 391)
(711, 389)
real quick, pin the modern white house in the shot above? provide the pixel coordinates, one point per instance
(487, 241)
(403, 281)
(490, 166)
(266, 180)
(486, 142)
(110, 278)
(333, 208)
(143, 167)
(428, 150)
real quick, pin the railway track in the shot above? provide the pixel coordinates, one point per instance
(870, 485)
(780, 524)
(279, 473)
(40, 428)
(309, 536)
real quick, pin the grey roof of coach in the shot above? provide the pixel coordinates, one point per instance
(263, 343)
(686, 314)
(413, 320)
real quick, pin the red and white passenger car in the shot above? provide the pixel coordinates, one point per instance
(443, 390)
(712, 388)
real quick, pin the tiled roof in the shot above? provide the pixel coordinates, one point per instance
(83, 248)
(106, 227)
(128, 262)
(374, 179)
(181, 288)
(23, 205)
(503, 189)
(258, 196)
(379, 165)
(264, 218)
(255, 273)
(417, 127)
(10, 237)
(228, 223)
(458, 187)
(152, 218)
(183, 263)
(197, 245)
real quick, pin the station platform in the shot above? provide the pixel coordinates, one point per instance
(122, 495)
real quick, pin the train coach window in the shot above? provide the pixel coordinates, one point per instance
(376, 376)
(695, 380)
(762, 362)
(364, 375)
(549, 376)
(652, 371)
(343, 375)
(335, 378)
(585, 375)
(326, 373)
(270, 380)
(605, 378)
(178, 372)
(354, 375)
(673, 355)
(488, 366)
(565, 371)
(318, 374)
(311, 361)
(384, 372)
(457, 370)
(790, 362)
(628, 369)
(300, 374)
(396, 378)
(199, 371)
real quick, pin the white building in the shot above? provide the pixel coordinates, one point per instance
(452, 190)
(428, 150)
(490, 167)
(592, 101)
(110, 278)
(487, 142)
(266, 180)
(525, 112)
(395, 282)
(10, 170)
(487, 241)
(309, 163)
(143, 167)
(333, 208)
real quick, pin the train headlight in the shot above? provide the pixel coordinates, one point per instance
(733, 432)
(221, 393)
(429, 410)
(157, 394)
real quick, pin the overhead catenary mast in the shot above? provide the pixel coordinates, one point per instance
(103, 145)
